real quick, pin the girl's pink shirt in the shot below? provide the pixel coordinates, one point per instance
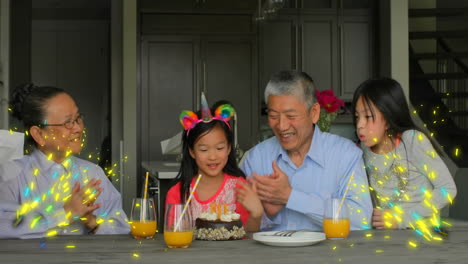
(224, 195)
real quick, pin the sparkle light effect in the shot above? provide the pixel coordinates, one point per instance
(59, 192)
(394, 190)
(50, 201)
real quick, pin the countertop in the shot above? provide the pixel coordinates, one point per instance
(162, 169)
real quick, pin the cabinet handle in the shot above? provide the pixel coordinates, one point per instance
(293, 47)
(197, 84)
(340, 42)
(300, 44)
(121, 168)
(204, 78)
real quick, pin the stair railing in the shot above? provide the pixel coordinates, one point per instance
(452, 88)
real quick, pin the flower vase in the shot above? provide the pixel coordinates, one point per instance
(325, 120)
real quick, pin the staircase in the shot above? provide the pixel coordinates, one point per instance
(440, 94)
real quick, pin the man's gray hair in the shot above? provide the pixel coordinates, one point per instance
(295, 83)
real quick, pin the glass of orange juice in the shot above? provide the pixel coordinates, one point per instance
(336, 223)
(178, 226)
(143, 218)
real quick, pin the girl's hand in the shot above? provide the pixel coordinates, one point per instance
(383, 219)
(246, 195)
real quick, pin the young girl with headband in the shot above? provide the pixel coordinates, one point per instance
(208, 151)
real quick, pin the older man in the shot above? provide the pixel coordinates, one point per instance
(299, 168)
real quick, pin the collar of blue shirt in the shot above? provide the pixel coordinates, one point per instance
(315, 152)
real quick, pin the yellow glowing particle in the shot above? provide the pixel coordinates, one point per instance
(65, 198)
(135, 255)
(449, 198)
(426, 202)
(51, 233)
(34, 222)
(412, 243)
(456, 152)
(70, 246)
(379, 251)
(36, 171)
(386, 237)
(369, 235)
(334, 248)
(446, 223)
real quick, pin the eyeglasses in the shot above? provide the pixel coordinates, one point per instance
(67, 124)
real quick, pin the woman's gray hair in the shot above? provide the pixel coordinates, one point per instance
(295, 83)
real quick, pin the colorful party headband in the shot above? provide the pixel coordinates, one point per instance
(189, 119)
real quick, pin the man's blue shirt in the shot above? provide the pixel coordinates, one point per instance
(325, 172)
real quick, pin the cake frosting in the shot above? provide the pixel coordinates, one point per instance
(219, 224)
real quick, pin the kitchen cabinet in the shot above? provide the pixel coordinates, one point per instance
(333, 4)
(199, 5)
(334, 46)
(177, 68)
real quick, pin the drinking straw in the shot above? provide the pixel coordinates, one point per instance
(188, 202)
(344, 195)
(143, 206)
(145, 190)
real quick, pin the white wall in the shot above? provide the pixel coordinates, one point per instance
(130, 114)
(394, 41)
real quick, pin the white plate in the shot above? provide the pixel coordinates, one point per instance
(299, 239)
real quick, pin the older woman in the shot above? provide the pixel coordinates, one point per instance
(50, 191)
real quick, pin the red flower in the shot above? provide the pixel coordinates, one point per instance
(328, 100)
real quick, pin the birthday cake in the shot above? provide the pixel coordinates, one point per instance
(216, 225)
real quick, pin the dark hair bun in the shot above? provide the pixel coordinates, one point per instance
(18, 98)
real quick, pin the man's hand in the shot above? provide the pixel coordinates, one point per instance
(274, 189)
(383, 219)
(81, 202)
